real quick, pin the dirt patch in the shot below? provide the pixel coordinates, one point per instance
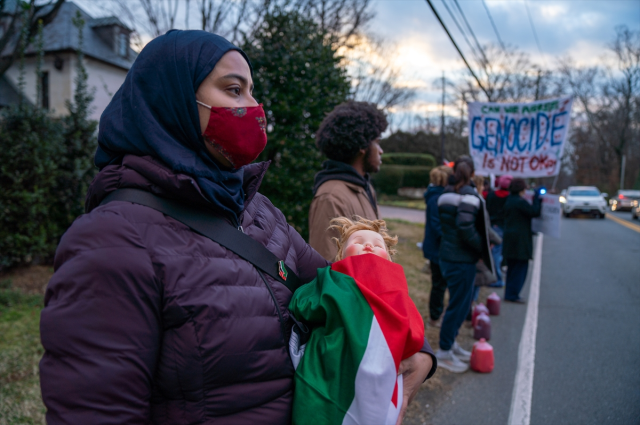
(30, 280)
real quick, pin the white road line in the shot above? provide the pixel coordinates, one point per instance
(520, 413)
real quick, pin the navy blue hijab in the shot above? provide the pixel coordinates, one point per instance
(155, 113)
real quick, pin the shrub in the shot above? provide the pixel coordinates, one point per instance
(415, 176)
(30, 149)
(393, 177)
(75, 167)
(422, 159)
(45, 168)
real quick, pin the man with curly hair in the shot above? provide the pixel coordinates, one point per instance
(349, 137)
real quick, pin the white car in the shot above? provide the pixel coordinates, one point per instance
(583, 200)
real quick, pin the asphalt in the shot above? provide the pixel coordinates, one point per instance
(407, 214)
(588, 347)
(587, 360)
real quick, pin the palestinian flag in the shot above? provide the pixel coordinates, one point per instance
(363, 324)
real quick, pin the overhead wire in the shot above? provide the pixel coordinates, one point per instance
(435, 12)
(493, 24)
(533, 28)
(484, 57)
(455, 21)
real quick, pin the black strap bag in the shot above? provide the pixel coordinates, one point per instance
(217, 229)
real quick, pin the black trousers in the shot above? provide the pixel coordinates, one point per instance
(438, 288)
(516, 276)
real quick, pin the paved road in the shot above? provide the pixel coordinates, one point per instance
(624, 215)
(408, 214)
(587, 358)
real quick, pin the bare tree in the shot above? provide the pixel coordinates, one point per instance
(341, 20)
(24, 15)
(374, 78)
(508, 75)
(609, 101)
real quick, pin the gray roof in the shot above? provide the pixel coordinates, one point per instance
(61, 35)
(109, 20)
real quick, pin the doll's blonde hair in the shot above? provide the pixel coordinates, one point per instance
(347, 227)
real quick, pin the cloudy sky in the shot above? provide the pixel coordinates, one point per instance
(422, 51)
(577, 28)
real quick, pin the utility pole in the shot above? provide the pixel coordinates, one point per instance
(624, 162)
(442, 124)
(538, 86)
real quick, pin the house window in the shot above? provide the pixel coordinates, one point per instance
(123, 44)
(44, 84)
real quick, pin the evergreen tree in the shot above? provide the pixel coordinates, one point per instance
(30, 147)
(298, 78)
(76, 169)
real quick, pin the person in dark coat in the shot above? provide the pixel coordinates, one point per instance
(464, 242)
(146, 321)
(517, 247)
(431, 244)
(495, 207)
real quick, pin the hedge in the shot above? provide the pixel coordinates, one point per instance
(423, 159)
(392, 177)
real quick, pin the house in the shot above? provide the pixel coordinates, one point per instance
(107, 59)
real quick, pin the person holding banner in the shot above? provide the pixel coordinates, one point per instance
(517, 247)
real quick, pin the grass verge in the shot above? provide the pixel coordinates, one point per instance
(20, 349)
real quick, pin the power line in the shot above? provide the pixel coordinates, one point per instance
(486, 61)
(533, 28)
(493, 24)
(455, 21)
(457, 48)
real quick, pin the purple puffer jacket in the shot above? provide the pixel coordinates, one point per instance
(146, 321)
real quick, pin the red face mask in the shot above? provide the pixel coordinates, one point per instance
(239, 134)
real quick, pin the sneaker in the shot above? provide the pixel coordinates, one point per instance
(460, 353)
(517, 300)
(448, 360)
(435, 323)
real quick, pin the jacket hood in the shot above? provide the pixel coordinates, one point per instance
(150, 174)
(336, 170)
(432, 191)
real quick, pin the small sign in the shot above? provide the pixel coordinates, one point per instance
(282, 270)
(550, 217)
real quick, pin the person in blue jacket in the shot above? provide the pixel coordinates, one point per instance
(431, 244)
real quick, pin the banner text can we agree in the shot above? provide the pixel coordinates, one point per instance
(521, 139)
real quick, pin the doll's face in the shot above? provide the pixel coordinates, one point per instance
(365, 242)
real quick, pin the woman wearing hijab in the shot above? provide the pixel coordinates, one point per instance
(518, 238)
(146, 321)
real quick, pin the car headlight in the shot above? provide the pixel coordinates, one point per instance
(563, 199)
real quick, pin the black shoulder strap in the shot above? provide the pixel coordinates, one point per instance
(215, 228)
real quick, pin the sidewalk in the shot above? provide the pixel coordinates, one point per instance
(414, 216)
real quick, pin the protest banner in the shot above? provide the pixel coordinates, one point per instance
(521, 139)
(550, 216)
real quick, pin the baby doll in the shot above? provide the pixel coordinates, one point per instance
(363, 324)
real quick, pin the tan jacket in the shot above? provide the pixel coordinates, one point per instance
(336, 198)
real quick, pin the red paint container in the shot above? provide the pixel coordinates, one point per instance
(482, 357)
(480, 308)
(482, 328)
(493, 304)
